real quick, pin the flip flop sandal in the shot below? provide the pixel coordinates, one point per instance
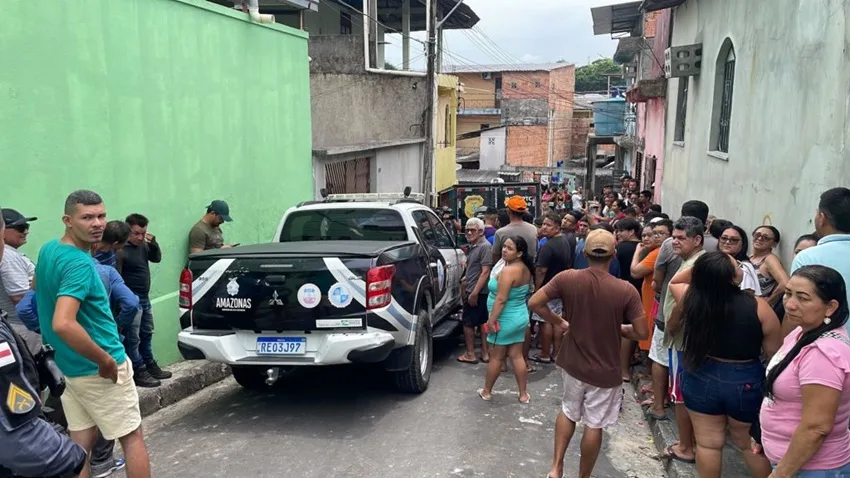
(540, 359)
(669, 454)
(461, 359)
(527, 399)
(648, 402)
(659, 418)
(481, 395)
(487, 360)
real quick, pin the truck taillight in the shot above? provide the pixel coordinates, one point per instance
(185, 297)
(379, 286)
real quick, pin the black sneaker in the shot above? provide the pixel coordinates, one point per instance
(156, 372)
(143, 378)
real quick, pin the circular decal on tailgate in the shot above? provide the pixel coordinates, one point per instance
(339, 295)
(309, 295)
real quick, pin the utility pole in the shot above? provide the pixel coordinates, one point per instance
(431, 80)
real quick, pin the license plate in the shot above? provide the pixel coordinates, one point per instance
(281, 345)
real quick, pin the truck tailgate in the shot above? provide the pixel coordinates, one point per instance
(274, 293)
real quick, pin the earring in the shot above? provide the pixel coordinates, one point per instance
(827, 320)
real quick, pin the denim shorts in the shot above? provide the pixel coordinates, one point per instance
(725, 388)
(840, 472)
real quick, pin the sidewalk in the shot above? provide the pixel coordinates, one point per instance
(664, 433)
(189, 377)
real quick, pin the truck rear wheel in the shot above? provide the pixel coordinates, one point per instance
(415, 378)
(250, 377)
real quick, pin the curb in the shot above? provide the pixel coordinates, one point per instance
(664, 432)
(189, 377)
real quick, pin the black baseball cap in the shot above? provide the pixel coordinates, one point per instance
(221, 208)
(13, 218)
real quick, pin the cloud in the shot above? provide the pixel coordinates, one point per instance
(529, 31)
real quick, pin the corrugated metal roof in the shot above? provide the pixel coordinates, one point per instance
(617, 18)
(503, 67)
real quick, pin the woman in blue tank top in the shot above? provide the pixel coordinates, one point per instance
(509, 283)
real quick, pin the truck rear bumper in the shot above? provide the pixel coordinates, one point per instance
(322, 348)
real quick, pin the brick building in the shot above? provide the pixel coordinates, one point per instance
(534, 102)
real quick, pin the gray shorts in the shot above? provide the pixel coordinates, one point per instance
(557, 308)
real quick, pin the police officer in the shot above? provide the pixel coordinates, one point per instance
(29, 446)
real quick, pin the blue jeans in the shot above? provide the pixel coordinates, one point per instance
(840, 472)
(725, 388)
(131, 342)
(146, 330)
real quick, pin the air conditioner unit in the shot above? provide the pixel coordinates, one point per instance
(680, 61)
(486, 75)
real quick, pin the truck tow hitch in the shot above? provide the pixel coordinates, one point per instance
(272, 375)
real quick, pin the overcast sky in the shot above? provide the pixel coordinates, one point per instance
(529, 31)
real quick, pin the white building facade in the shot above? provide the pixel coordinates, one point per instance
(763, 127)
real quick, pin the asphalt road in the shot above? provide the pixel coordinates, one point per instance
(348, 422)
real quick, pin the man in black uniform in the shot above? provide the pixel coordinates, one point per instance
(29, 446)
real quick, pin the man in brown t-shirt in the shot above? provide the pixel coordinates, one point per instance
(596, 305)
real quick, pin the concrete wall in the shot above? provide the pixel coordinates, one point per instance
(790, 110)
(492, 149)
(397, 167)
(533, 111)
(352, 106)
(161, 106)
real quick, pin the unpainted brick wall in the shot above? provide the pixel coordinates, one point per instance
(527, 146)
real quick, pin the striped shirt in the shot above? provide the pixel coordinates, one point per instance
(16, 271)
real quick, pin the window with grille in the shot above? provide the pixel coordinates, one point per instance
(345, 23)
(681, 109)
(726, 102)
(721, 112)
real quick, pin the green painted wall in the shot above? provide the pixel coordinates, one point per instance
(160, 106)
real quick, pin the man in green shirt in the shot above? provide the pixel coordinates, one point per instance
(206, 233)
(688, 245)
(76, 320)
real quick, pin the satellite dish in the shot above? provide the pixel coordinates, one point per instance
(497, 181)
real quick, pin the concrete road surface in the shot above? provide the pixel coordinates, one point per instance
(348, 422)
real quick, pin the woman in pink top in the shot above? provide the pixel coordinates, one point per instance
(806, 410)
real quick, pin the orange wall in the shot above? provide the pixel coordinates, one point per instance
(465, 124)
(477, 92)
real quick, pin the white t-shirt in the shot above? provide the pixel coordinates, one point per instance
(16, 272)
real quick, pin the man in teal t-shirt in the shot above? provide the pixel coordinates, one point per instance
(76, 320)
(69, 272)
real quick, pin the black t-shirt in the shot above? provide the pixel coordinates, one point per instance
(556, 256)
(625, 252)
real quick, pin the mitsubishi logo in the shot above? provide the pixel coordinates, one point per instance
(275, 300)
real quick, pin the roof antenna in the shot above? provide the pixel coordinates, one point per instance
(324, 193)
(407, 191)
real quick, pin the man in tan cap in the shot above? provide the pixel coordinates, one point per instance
(596, 305)
(517, 207)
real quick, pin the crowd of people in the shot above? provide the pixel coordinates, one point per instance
(86, 302)
(735, 340)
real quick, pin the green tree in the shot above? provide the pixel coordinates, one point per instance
(591, 77)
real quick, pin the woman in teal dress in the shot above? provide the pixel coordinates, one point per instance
(508, 285)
